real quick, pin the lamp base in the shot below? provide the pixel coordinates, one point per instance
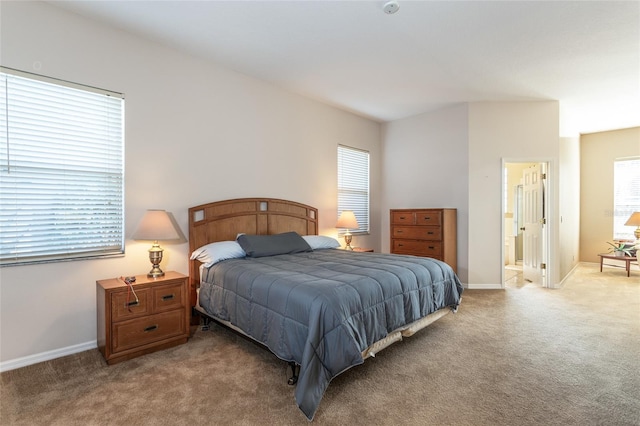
(347, 240)
(155, 256)
(156, 272)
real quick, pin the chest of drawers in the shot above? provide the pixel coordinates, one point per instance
(150, 316)
(425, 232)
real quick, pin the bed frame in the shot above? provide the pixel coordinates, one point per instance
(224, 220)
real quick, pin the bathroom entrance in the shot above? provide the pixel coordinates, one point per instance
(524, 223)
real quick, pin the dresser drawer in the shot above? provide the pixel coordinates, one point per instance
(418, 248)
(137, 332)
(124, 305)
(418, 232)
(429, 218)
(167, 297)
(403, 218)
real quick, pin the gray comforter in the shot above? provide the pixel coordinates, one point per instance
(321, 309)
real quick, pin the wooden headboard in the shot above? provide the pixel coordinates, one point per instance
(224, 220)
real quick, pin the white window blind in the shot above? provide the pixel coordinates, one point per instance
(61, 170)
(626, 196)
(353, 185)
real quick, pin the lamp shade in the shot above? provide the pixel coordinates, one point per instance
(156, 225)
(347, 220)
(634, 220)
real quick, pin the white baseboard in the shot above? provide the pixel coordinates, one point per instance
(484, 286)
(46, 356)
(566, 277)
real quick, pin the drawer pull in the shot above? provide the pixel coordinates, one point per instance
(431, 247)
(430, 233)
(402, 217)
(400, 245)
(398, 231)
(134, 303)
(427, 217)
(151, 328)
(168, 297)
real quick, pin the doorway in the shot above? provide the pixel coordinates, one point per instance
(524, 217)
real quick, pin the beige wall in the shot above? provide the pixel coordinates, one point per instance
(425, 164)
(195, 133)
(569, 205)
(509, 132)
(598, 152)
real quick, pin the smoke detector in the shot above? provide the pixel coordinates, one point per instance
(391, 7)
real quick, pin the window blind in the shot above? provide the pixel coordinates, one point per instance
(626, 196)
(61, 170)
(353, 185)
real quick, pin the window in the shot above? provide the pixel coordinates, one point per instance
(626, 195)
(61, 170)
(353, 185)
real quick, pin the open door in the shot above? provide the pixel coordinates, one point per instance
(533, 224)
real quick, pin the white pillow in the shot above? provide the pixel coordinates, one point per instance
(321, 242)
(215, 252)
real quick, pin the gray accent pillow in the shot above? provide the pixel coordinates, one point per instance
(271, 245)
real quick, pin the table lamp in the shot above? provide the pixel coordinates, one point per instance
(347, 220)
(156, 225)
(634, 220)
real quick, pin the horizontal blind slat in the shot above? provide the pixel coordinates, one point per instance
(62, 172)
(353, 184)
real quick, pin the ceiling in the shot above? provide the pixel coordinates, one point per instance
(427, 56)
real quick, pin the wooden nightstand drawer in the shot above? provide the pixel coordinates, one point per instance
(168, 297)
(124, 305)
(140, 331)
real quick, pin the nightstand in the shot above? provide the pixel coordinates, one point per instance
(158, 319)
(363, 250)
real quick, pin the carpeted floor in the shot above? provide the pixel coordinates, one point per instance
(520, 356)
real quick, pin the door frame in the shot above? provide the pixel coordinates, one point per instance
(547, 199)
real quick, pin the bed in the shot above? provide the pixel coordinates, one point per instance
(259, 267)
